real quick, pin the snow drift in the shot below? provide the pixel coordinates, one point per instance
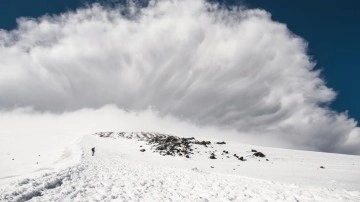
(125, 168)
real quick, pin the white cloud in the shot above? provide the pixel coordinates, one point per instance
(188, 59)
(25, 130)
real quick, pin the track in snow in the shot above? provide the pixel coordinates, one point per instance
(111, 175)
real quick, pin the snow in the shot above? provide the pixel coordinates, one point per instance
(119, 171)
(35, 153)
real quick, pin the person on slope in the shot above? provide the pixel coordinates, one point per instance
(93, 151)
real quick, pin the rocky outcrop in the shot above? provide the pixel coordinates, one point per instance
(259, 154)
(170, 145)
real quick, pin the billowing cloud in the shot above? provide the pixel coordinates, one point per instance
(234, 69)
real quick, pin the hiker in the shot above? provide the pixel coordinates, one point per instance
(93, 150)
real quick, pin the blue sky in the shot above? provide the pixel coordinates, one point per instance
(332, 30)
(243, 71)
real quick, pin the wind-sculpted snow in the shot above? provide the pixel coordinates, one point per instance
(114, 179)
(119, 172)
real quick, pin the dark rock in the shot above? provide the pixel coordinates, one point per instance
(259, 154)
(241, 158)
(322, 167)
(205, 143)
(253, 150)
(211, 166)
(212, 156)
(267, 159)
(171, 139)
(142, 150)
(221, 142)
(174, 146)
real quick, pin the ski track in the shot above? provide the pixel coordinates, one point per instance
(109, 177)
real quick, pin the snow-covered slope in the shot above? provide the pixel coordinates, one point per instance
(120, 171)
